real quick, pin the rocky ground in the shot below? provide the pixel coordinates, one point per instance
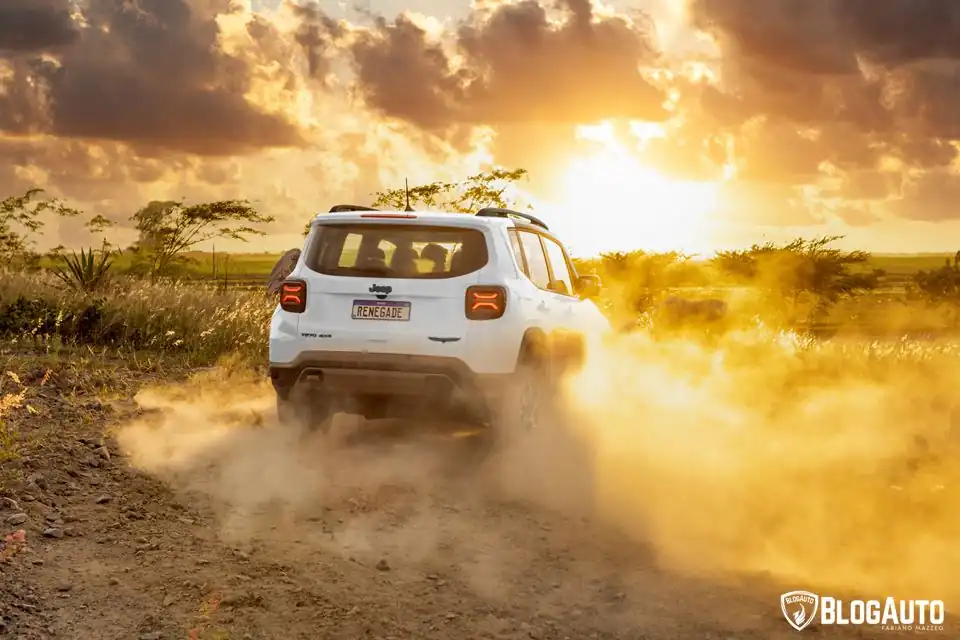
(157, 517)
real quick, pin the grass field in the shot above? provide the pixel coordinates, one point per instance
(232, 264)
(200, 264)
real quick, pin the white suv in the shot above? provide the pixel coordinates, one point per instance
(404, 314)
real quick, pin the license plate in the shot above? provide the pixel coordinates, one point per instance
(380, 310)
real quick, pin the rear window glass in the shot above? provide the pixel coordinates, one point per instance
(397, 251)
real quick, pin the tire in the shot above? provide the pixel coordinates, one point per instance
(527, 402)
(310, 412)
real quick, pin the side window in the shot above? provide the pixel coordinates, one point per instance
(517, 251)
(558, 264)
(536, 260)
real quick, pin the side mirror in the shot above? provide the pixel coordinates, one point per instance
(558, 286)
(589, 286)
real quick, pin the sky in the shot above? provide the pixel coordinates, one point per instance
(657, 124)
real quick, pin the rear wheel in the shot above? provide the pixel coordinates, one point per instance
(310, 411)
(526, 404)
(533, 394)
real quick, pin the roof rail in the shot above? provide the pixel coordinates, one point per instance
(339, 208)
(496, 212)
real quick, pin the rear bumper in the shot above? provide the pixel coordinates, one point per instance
(385, 374)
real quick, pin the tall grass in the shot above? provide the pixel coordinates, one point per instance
(197, 325)
(9, 400)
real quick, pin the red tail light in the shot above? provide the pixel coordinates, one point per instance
(293, 296)
(485, 302)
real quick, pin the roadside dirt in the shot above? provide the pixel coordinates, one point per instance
(176, 516)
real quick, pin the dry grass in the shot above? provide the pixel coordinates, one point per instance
(195, 326)
(66, 354)
(9, 401)
(47, 395)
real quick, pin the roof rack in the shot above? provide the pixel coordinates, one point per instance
(339, 208)
(496, 212)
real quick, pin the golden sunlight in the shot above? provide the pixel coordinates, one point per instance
(610, 186)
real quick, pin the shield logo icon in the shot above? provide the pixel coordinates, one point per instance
(799, 608)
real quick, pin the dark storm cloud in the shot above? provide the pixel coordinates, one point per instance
(404, 76)
(317, 34)
(791, 35)
(23, 101)
(515, 66)
(843, 60)
(28, 26)
(826, 37)
(145, 72)
(893, 32)
(885, 73)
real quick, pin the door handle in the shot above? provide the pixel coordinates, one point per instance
(543, 308)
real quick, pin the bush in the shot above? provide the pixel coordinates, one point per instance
(194, 323)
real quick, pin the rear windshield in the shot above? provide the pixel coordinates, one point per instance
(397, 251)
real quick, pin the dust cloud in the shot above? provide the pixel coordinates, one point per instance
(823, 464)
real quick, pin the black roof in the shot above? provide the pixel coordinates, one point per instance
(339, 208)
(496, 212)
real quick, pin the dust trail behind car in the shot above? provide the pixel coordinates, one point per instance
(826, 465)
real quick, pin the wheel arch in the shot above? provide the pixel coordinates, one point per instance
(534, 346)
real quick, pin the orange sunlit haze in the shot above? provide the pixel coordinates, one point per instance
(686, 124)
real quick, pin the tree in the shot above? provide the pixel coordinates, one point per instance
(486, 189)
(20, 218)
(940, 285)
(800, 269)
(640, 278)
(171, 228)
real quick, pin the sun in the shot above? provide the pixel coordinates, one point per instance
(621, 204)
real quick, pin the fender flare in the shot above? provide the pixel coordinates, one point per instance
(537, 346)
(534, 346)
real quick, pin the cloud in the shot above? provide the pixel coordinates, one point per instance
(857, 214)
(403, 75)
(28, 26)
(870, 185)
(317, 34)
(513, 63)
(931, 197)
(846, 106)
(149, 73)
(885, 75)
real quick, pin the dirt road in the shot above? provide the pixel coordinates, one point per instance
(166, 519)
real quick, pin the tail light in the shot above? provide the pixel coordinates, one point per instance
(293, 296)
(485, 302)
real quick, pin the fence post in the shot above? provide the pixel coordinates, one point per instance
(226, 271)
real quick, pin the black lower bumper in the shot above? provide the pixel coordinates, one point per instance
(384, 374)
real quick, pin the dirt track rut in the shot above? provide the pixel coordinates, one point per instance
(388, 537)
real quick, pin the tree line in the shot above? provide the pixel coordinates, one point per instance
(804, 272)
